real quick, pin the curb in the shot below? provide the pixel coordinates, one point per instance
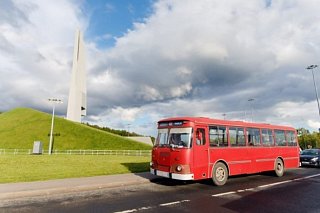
(54, 188)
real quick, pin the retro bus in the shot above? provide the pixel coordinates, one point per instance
(195, 148)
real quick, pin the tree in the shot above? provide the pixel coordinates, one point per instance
(307, 139)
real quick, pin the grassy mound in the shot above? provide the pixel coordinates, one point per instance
(20, 127)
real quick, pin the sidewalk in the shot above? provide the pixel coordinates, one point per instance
(12, 191)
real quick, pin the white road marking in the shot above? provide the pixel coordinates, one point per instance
(127, 211)
(275, 184)
(152, 207)
(173, 203)
(258, 188)
(308, 177)
(222, 194)
(136, 210)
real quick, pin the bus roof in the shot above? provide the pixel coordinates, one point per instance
(212, 121)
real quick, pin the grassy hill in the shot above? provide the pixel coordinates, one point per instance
(20, 127)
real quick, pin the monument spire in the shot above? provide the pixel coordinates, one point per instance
(77, 103)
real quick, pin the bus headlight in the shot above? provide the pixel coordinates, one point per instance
(151, 164)
(180, 168)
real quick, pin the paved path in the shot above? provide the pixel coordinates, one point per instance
(11, 191)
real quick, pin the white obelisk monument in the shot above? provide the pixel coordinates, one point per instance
(77, 103)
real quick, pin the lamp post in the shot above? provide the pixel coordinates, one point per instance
(250, 100)
(53, 100)
(224, 116)
(311, 67)
(128, 129)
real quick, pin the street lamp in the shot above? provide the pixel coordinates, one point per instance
(224, 116)
(311, 67)
(128, 129)
(250, 100)
(58, 101)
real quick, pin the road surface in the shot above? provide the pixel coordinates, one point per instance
(297, 191)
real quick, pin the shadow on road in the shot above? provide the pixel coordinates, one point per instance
(137, 167)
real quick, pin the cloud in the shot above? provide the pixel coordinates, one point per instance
(200, 58)
(36, 54)
(222, 51)
(222, 46)
(314, 124)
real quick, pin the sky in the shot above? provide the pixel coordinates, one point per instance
(153, 59)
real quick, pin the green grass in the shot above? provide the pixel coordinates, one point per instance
(22, 168)
(20, 127)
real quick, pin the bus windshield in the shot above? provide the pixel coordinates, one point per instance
(175, 137)
(162, 138)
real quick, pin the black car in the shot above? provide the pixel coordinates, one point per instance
(310, 157)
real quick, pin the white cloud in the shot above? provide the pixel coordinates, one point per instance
(125, 114)
(203, 58)
(315, 125)
(149, 93)
(38, 52)
(181, 91)
(297, 114)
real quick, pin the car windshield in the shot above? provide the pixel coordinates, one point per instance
(175, 137)
(310, 152)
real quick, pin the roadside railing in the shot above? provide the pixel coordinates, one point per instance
(78, 152)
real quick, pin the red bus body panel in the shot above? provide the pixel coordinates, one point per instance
(198, 161)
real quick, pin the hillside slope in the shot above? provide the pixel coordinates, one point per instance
(20, 127)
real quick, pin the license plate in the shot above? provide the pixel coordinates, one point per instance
(305, 162)
(162, 174)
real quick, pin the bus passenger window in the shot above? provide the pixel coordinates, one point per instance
(291, 138)
(267, 137)
(253, 137)
(280, 138)
(218, 136)
(236, 136)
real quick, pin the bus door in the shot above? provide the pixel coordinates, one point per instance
(201, 153)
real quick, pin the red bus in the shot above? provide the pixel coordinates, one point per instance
(194, 148)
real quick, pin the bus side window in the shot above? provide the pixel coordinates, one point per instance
(280, 138)
(291, 138)
(213, 136)
(236, 136)
(267, 137)
(200, 137)
(218, 136)
(253, 135)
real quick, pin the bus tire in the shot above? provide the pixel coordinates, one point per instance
(279, 168)
(220, 174)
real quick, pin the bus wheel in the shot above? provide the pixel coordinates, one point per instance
(220, 174)
(279, 168)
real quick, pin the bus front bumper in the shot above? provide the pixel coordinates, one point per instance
(172, 175)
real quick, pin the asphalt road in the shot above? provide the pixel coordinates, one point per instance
(297, 191)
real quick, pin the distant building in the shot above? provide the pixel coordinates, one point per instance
(77, 103)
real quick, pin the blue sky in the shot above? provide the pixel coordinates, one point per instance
(147, 60)
(110, 19)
